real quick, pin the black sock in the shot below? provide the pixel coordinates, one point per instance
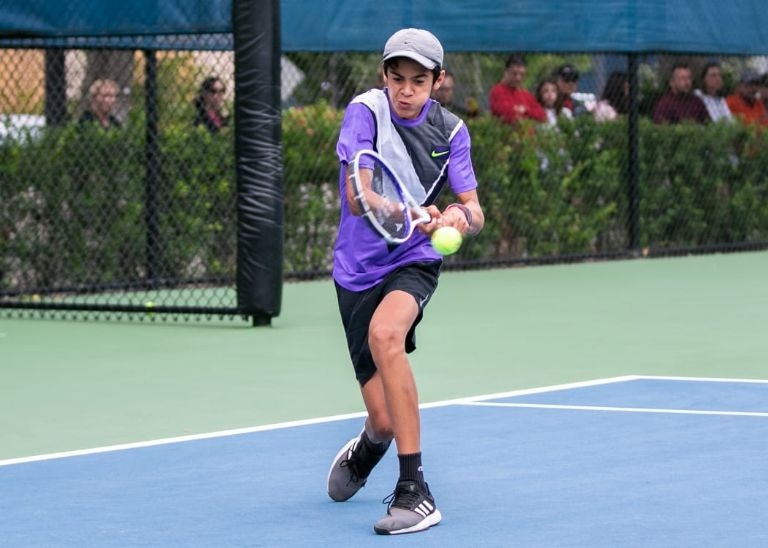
(375, 448)
(410, 467)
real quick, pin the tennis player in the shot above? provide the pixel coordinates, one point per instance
(382, 289)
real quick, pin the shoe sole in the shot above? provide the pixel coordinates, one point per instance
(343, 450)
(431, 520)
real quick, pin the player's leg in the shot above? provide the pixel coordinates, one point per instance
(353, 463)
(386, 337)
(412, 507)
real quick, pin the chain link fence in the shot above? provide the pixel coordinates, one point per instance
(118, 189)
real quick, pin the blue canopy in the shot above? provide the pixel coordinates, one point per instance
(693, 26)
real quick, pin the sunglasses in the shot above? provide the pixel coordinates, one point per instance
(218, 91)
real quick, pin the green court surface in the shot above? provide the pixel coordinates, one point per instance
(76, 384)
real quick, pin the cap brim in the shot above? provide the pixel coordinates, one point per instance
(420, 59)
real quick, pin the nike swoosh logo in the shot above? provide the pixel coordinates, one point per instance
(436, 154)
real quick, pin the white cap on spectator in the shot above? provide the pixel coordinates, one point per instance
(420, 45)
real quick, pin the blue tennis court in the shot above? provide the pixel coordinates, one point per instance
(627, 461)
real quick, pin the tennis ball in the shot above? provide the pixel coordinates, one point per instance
(446, 240)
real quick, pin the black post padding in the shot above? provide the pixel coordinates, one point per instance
(152, 167)
(633, 169)
(256, 35)
(55, 87)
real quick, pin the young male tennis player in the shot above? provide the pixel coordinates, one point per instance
(382, 288)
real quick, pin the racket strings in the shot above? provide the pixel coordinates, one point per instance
(392, 213)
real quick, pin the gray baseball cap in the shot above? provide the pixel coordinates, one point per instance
(420, 45)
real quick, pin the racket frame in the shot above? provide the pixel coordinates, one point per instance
(415, 215)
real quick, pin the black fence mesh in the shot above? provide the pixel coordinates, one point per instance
(135, 211)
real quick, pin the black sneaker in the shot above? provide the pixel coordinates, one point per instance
(411, 509)
(351, 468)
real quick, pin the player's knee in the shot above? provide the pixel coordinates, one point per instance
(383, 339)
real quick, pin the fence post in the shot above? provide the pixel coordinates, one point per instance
(55, 87)
(152, 169)
(258, 134)
(633, 176)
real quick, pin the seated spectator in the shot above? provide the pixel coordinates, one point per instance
(548, 95)
(763, 91)
(509, 100)
(445, 96)
(102, 95)
(711, 92)
(745, 103)
(208, 105)
(614, 101)
(679, 104)
(567, 78)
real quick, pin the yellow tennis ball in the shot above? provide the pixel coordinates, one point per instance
(446, 240)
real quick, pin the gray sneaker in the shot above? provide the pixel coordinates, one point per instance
(351, 468)
(411, 509)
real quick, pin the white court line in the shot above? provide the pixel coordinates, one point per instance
(700, 379)
(472, 400)
(620, 409)
(292, 424)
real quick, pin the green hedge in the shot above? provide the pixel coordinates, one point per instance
(72, 202)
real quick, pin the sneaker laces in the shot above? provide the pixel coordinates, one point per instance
(360, 462)
(352, 465)
(402, 497)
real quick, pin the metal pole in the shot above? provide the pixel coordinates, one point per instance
(55, 87)
(152, 162)
(633, 176)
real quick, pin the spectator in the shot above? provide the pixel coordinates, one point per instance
(548, 95)
(208, 105)
(567, 78)
(444, 93)
(511, 102)
(445, 96)
(381, 81)
(102, 96)
(614, 101)
(763, 92)
(745, 103)
(679, 104)
(711, 92)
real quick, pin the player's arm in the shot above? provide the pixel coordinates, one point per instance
(352, 201)
(384, 207)
(357, 132)
(466, 214)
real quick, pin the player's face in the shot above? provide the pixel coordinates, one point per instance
(410, 86)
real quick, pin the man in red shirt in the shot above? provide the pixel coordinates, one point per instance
(511, 102)
(745, 104)
(680, 104)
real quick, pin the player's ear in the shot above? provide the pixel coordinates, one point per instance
(436, 84)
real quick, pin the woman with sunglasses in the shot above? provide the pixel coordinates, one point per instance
(208, 105)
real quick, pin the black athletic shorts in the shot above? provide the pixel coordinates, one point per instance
(357, 308)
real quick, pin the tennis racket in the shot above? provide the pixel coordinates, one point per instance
(383, 199)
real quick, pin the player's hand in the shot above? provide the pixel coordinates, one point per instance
(436, 221)
(455, 217)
